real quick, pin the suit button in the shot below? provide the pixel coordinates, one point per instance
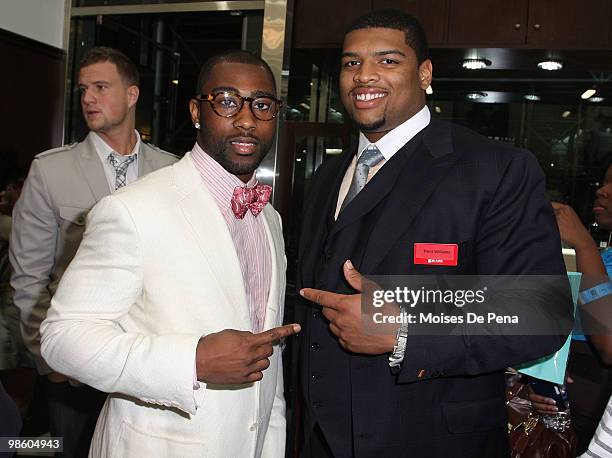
(315, 376)
(315, 346)
(316, 405)
(316, 314)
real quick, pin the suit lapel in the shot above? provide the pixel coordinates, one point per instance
(319, 213)
(377, 188)
(275, 242)
(418, 178)
(93, 170)
(213, 237)
(146, 160)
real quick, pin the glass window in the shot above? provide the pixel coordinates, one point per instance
(169, 50)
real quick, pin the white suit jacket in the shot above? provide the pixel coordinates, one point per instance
(157, 269)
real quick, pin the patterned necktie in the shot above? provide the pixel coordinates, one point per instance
(120, 168)
(368, 159)
(254, 199)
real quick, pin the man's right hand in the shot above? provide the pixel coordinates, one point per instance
(233, 357)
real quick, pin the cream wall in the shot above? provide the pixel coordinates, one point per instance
(41, 20)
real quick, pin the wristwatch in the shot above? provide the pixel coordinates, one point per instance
(397, 356)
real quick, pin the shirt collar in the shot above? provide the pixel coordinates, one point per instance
(103, 149)
(219, 181)
(399, 136)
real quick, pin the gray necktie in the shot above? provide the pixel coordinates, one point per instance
(120, 168)
(368, 159)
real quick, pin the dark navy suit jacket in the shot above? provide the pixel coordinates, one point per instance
(447, 185)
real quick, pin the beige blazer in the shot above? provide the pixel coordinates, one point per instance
(48, 223)
(157, 269)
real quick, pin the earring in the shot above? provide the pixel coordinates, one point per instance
(197, 125)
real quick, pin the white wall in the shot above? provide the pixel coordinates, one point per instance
(41, 20)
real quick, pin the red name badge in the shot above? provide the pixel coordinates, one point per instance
(436, 254)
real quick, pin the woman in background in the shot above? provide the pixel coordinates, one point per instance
(589, 368)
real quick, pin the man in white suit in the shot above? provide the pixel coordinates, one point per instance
(49, 218)
(174, 301)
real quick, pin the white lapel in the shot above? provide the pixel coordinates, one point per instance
(214, 239)
(276, 243)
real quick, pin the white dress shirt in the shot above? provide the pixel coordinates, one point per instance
(104, 150)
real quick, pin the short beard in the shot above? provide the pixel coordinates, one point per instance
(373, 126)
(217, 150)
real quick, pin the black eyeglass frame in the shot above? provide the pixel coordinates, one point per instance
(210, 98)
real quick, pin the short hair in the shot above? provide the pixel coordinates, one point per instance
(398, 20)
(234, 56)
(125, 67)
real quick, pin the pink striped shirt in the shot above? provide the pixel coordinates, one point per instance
(248, 234)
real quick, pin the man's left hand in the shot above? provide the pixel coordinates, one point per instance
(344, 314)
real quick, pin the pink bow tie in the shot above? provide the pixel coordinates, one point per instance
(254, 199)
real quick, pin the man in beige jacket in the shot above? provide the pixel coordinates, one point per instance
(49, 218)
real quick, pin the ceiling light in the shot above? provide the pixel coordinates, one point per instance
(531, 97)
(588, 93)
(566, 114)
(429, 90)
(476, 95)
(550, 65)
(596, 99)
(475, 64)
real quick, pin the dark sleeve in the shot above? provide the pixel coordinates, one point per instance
(517, 235)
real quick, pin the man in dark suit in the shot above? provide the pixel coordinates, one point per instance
(412, 183)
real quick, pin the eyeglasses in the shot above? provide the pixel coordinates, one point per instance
(228, 104)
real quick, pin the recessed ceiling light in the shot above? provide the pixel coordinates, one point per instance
(475, 64)
(331, 151)
(429, 90)
(476, 95)
(588, 93)
(531, 97)
(596, 99)
(566, 114)
(550, 65)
